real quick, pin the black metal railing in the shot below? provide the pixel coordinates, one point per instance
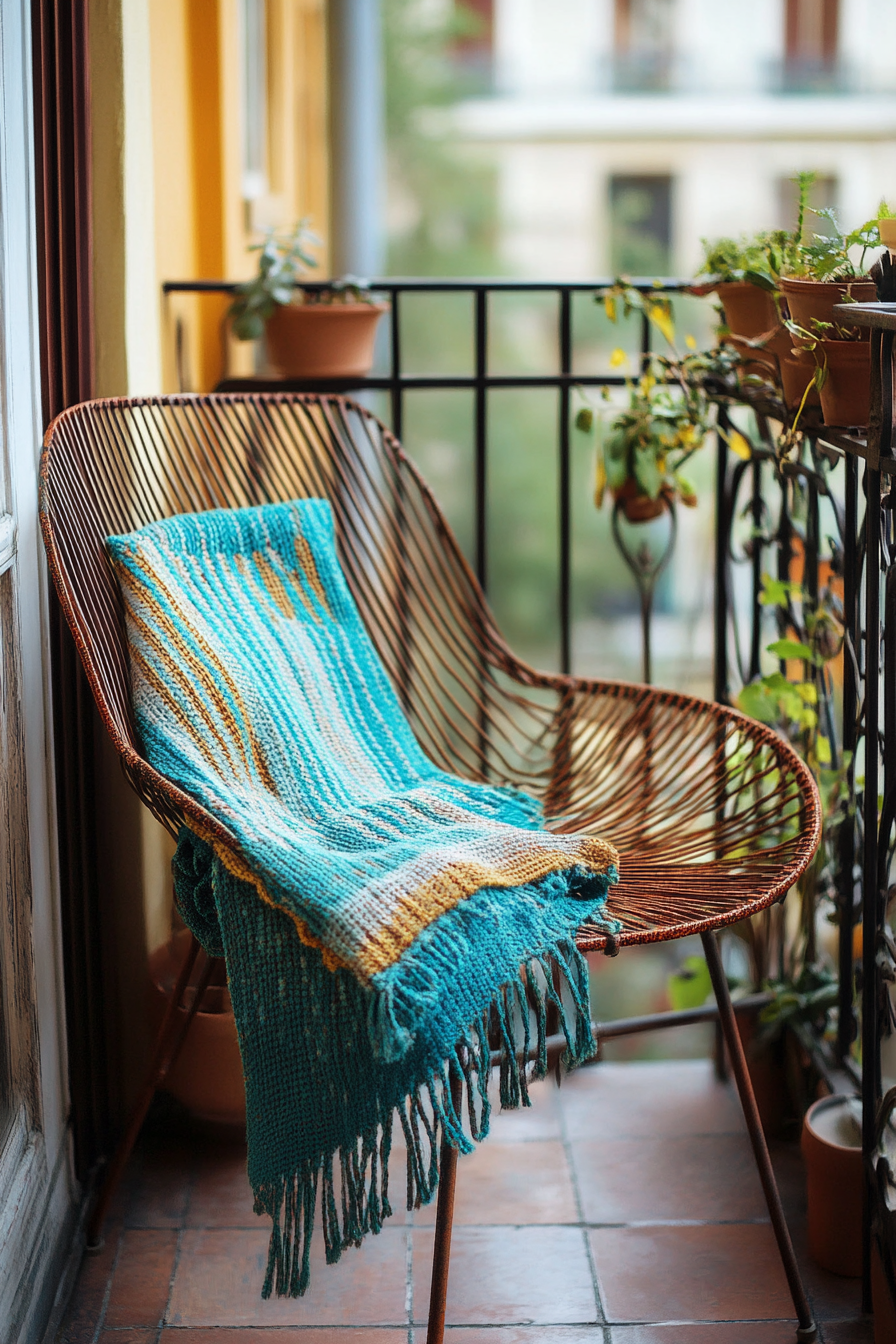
(792, 501)
(481, 381)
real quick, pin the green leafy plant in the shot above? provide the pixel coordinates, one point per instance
(731, 260)
(669, 412)
(796, 699)
(283, 260)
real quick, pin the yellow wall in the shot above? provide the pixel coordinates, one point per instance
(203, 225)
(167, 205)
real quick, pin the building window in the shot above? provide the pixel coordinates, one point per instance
(641, 225)
(474, 43)
(823, 195)
(810, 44)
(643, 45)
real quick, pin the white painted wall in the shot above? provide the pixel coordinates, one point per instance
(556, 133)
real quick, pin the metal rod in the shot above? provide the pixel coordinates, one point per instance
(441, 1253)
(807, 1330)
(564, 481)
(720, 595)
(422, 284)
(632, 1026)
(481, 433)
(169, 1039)
(397, 383)
(870, 1041)
(847, 837)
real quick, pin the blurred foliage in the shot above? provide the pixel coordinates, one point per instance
(443, 202)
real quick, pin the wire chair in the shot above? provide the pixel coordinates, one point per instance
(715, 817)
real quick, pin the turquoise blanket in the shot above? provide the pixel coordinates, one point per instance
(378, 915)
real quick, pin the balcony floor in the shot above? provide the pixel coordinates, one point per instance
(624, 1208)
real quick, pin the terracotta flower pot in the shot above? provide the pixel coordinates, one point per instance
(887, 229)
(831, 1144)
(846, 394)
(637, 506)
(208, 1074)
(323, 340)
(749, 310)
(814, 300)
(762, 360)
(797, 372)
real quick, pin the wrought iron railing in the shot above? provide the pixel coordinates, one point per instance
(775, 510)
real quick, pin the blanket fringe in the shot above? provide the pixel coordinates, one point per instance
(354, 1181)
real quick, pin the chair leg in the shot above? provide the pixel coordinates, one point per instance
(441, 1255)
(169, 1040)
(806, 1330)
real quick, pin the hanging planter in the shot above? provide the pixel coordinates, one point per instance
(639, 507)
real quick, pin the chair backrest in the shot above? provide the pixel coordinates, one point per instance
(113, 466)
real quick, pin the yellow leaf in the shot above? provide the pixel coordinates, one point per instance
(600, 481)
(618, 358)
(823, 750)
(690, 342)
(661, 318)
(739, 445)
(610, 307)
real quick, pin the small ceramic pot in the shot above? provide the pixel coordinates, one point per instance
(846, 394)
(207, 1076)
(814, 300)
(637, 506)
(749, 311)
(322, 340)
(832, 1152)
(797, 372)
(887, 228)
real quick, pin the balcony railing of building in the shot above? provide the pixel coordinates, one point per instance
(807, 512)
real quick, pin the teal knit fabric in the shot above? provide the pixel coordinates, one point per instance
(381, 913)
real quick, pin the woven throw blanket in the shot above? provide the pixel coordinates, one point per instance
(381, 915)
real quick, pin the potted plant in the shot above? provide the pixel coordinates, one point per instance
(738, 272)
(839, 361)
(327, 332)
(646, 445)
(787, 952)
(823, 271)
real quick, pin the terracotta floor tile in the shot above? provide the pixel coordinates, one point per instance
(142, 1278)
(709, 1273)
(220, 1273)
(712, 1176)
(159, 1184)
(221, 1195)
(648, 1099)
(511, 1183)
(89, 1294)
(324, 1334)
(541, 1120)
(148, 1335)
(519, 1334)
(509, 1275)
(849, 1332)
(729, 1332)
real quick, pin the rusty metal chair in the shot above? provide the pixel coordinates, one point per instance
(715, 817)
